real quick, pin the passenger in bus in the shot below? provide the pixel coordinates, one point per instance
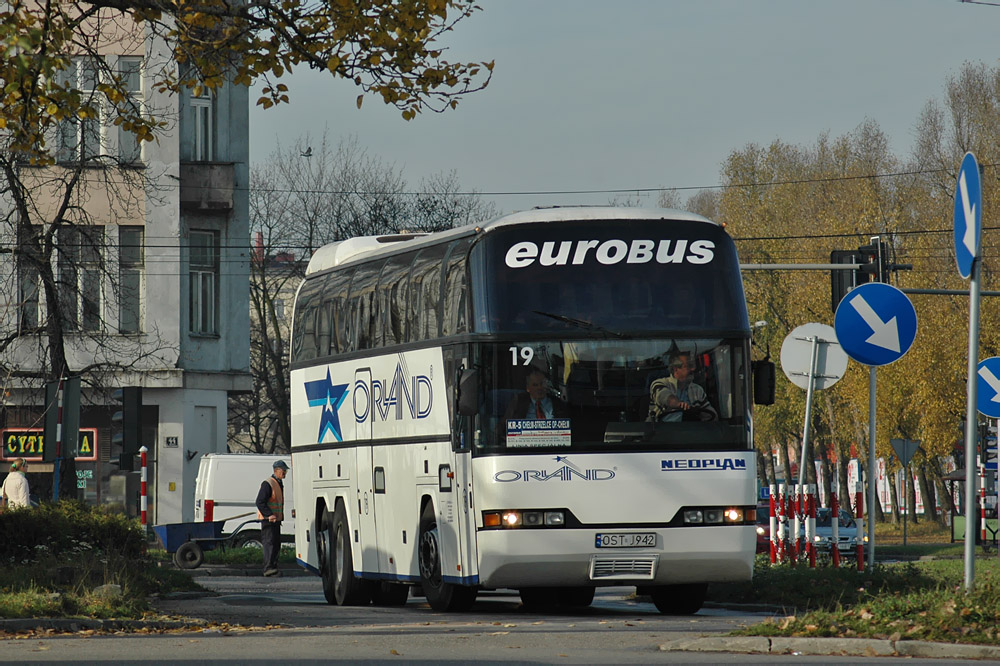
(677, 397)
(536, 402)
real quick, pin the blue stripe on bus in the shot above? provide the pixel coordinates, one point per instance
(308, 567)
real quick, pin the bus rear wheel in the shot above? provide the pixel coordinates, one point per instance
(440, 595)
(686, 599)
(340, 586)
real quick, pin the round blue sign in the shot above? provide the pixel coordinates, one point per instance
(968, 215)
(876, 324)
(988, 387)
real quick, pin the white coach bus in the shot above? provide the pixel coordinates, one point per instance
(471, 410)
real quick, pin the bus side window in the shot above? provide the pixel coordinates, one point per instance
(325, 324)
(455, 319)
(342, 331)
(366, 306)
(425, 293)
(304, 341)
(392, 278)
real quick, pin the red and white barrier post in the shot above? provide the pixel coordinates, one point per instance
(982, 503)
(835, 523)
(142, 489)
(782, 523)
(810, 518)
(859, 517)
(772, 537)
(796, 522)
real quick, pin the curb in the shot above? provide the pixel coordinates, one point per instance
(71, 625)
(848, 647)
(249, 572)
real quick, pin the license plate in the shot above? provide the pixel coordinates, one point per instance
(626, 540)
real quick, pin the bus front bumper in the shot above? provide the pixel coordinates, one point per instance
(564, 557)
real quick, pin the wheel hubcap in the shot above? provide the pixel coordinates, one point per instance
(430, 565)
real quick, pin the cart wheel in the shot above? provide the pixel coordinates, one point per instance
(189, 555)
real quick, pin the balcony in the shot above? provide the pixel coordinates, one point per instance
(207, 186)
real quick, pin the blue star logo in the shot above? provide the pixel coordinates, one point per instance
(323, 393)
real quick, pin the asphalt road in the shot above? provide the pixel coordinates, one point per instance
(615, 629)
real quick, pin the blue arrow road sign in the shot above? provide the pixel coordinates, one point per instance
(988, 387)
(876, 324)
(968, 215)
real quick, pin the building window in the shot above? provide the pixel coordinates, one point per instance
(27, 290)
(131, 271)
(80, 276)
(204, 282)
(203, 127)
(80, 138)
(130, 73)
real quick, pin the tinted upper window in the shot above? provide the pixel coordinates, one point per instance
(619, 275)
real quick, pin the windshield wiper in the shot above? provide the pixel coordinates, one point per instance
(580, 323)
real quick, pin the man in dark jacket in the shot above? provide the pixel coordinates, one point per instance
(271, 511)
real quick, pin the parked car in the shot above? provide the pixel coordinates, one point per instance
(847, 532)
(226, 487)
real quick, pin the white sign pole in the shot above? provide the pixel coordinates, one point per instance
(872, 472)
(971, 416)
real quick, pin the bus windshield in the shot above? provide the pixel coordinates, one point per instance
(616, 394)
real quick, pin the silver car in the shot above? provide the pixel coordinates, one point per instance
(847, 532)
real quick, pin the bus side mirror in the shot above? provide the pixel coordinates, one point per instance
(763, 382)
(468, 392)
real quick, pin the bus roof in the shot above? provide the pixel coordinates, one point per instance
(341, 252)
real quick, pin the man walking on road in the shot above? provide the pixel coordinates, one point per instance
(271, 511)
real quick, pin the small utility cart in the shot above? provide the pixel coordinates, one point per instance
(187, 542)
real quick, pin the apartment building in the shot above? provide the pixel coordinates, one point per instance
(158, 290)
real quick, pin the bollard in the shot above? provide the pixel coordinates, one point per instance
(835, 524)
(796, 523)
(982, 503)
(810, 518)
(782, 525)
(772, 536)
(859, 517)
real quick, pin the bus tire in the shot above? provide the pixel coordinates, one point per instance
(440, 595)
(340, 586)
(189, 555)
(685, 599)
(390, 594)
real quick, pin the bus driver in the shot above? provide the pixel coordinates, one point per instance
(674, 397)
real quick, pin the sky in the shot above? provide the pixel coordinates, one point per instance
(589, 97)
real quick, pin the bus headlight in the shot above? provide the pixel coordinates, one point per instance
(555, 518)
(694, 517)
(511, 518)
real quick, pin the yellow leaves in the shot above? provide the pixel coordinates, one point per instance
(333, 63)
(361, 98)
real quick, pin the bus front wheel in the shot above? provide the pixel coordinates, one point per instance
(340, 586)
(684, 599)
(440, 595)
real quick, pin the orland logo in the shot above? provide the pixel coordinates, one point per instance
(702, 464)
(610, 252)
(388, 398)
(566, 472)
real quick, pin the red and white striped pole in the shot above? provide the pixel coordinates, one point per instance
(859, 517)
(982, 502)
(772, 535)
(782, 521)
(835, 523)
(810, 514)
(796, 522)
(142, 489)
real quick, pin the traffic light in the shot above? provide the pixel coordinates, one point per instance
(842, 280)
(128, 425)
(874, 260)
